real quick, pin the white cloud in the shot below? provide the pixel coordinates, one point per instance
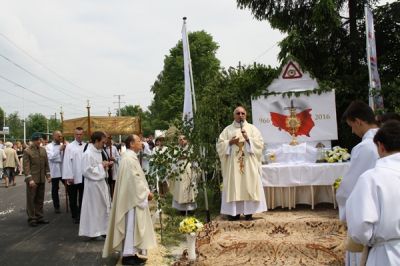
(116, 47)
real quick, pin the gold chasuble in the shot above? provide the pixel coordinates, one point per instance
(131, 189)
(241, 163)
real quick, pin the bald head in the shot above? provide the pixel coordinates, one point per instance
(239, 114)
(57, 135)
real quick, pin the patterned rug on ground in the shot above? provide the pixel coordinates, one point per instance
(298, 237)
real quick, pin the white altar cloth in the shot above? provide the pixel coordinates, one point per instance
(294, 179)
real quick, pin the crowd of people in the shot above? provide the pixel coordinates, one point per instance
(109, 195)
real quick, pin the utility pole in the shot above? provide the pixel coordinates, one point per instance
(119, 108)
(4, 124)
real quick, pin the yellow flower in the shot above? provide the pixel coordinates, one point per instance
(337, 182)
(190, 225)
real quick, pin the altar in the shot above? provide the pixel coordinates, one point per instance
(297, 120)
(288, 184)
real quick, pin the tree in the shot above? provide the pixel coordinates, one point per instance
(168, 89)
(36, 123)
(387, 28)
(1, 117)
(16, 126)
(330, 46)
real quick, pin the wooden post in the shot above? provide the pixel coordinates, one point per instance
(65, 183)
(88, 115)
(62, 119)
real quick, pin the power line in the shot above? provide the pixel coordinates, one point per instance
(37, 77)
(12, 94)
(38, 62)
(31, 91)
(265, 51)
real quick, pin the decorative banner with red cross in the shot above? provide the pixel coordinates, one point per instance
(309, 118)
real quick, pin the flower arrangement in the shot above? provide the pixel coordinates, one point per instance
(337, 182)
(190, 225)
(337, 154)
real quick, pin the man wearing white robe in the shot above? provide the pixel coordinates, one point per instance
(130, 229)
(183, 187)
(146, 155)
(72, 173)
(96, 203)
(240, 149)
(55, 152)
(372, 211)
(360, 117)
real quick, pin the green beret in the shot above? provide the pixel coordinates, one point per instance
(36, 136)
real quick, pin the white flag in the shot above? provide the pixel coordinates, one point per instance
(188, 100)
(375, 97)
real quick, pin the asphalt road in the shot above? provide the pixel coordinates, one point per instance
(53, 244)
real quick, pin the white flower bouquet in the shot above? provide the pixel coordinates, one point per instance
(190, 225)
(337, 155)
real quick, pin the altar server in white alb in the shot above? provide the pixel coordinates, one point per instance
(372, 210)
(72, 173)
(96, 203)
(55, 152)
(360, 117)
(130, 230)
(240, 149)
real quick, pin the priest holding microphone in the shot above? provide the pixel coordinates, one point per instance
(240, 149)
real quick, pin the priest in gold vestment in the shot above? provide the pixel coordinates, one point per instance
(240, 149)
(130, 230)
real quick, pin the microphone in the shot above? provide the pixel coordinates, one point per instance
(241, 125)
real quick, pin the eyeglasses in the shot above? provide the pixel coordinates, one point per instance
(240, 113)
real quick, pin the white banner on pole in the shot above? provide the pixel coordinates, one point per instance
(315, 113)
(188, 101)
(375, 97)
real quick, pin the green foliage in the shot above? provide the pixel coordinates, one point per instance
(1, 117)
(171, 234)
(332, 47)
(387, 27)
(168, 89)
(16, 126)
(35, 123)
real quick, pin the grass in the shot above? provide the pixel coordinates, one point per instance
(171, 217)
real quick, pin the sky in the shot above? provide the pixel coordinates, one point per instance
(57, 54)
(65, 52)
